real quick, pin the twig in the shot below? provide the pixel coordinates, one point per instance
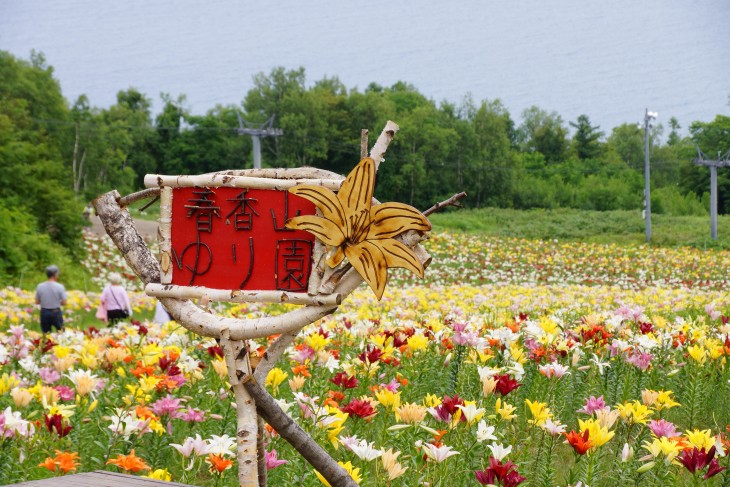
(154, 200)
(453, 201)
(139, 195)
(272, 355)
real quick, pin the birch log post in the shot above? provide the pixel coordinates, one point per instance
(377, 153)
(238, 363)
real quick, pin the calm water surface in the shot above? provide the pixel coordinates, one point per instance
(609, 60)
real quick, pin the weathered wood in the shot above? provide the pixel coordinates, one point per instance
(120, 227)
(319, 256)
(453, 201)
(282, 173)
(139, 195)
(261, 453)
(99, 478)
(240, 296)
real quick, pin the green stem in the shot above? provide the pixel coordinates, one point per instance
(536, 464)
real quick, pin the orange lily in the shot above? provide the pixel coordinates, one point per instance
(218, 464)
(130, 463)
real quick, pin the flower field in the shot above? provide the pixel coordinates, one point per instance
(514, 362)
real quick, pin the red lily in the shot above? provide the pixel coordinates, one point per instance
(55, 422)
(359, 408)
(343, 380)
(506, 384)
(580, 443)
(505, 473)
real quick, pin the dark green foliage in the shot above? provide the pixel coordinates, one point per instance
(543, 132)
(33, 178)
(586, 141)
(23, 251)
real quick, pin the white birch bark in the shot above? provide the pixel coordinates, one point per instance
(239, 367)
(237, 295)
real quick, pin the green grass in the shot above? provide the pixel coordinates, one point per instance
(619, 227)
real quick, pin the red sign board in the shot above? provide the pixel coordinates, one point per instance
(234, 238)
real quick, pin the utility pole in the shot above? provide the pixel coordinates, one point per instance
(648, 117)
(266, 129)
(724, 161)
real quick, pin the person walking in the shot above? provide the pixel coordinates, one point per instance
(115, 300)
(51, 295)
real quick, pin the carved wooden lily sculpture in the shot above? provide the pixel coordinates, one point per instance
(351, 226)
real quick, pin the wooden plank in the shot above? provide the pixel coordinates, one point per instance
(99, 478)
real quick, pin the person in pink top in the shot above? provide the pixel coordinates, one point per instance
(116, 301)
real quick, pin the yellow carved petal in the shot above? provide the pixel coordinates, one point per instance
(324, 199)
(321, 228)
(369, 261)
(391, 219)
(398, 255)
(335, 259)
(356, 192)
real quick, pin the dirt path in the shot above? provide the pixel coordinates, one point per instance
(146, 229)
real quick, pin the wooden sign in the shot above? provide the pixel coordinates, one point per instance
(225, 237)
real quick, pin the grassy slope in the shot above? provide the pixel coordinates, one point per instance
(620, 227)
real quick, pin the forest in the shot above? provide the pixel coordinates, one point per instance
(57, 154)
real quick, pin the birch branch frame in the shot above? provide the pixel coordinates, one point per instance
(240, 296)
(225, 181)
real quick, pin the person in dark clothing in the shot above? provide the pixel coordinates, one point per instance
(51, 295)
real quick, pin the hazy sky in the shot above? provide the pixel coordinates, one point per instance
(609, 60)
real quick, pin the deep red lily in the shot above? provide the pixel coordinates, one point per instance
(506, 384)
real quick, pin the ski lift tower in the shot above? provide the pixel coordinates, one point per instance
(266, 129)
(723, 161)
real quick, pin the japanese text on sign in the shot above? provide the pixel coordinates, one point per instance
(234, 238)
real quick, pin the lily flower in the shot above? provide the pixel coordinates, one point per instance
(438, 453)
(129, 463)
(192, 445)
(499, 451)
(272, 460)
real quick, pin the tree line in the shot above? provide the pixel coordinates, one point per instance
(57, 154)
